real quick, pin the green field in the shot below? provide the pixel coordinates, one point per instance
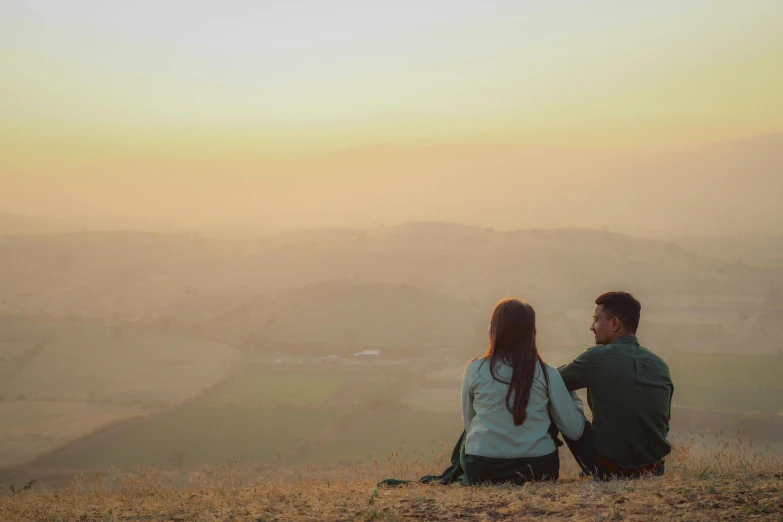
(262, 414)
(251, 390)
(729, 371)
(196, 436)
(737, 400)
(340, 415)
(728, 382)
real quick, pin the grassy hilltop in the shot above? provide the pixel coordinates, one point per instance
(719, 480)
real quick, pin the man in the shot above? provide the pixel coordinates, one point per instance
(629, 391)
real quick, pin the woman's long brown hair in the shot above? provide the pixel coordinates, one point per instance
(512, 340)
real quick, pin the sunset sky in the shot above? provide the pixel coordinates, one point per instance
(88, 85)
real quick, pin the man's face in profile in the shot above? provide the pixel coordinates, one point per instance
(603, 326)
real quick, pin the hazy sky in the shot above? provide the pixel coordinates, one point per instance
(87, 86)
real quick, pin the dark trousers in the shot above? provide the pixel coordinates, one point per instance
(588, 458)
(488, 470)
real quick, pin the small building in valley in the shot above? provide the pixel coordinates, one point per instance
(365, 353)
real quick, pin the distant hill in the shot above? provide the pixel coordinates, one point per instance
(764, 250)
(355, 283)
(132, 364)
(142, 274)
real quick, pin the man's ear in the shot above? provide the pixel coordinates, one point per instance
(616, 324)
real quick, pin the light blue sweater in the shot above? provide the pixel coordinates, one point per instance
(490, 426)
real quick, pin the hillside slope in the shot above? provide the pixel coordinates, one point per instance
(741, 495)
(133, 273)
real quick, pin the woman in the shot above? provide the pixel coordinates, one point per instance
(507, 397)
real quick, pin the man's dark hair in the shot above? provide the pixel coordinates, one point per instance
(624, 306)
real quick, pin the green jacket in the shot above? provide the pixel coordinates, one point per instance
(629, 391)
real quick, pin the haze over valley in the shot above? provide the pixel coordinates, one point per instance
(174, 350)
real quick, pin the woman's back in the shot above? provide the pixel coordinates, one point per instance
(490, 425)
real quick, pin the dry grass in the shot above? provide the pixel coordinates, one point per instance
(716, 479)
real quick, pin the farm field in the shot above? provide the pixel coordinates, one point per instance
(711, 381)
(29, 428)
(62, 380)
(249, 416)
(728, 382)
(320, 414)
(193, 437)
(144, 367)
(729, 371)
(249, 390)
(346, 414)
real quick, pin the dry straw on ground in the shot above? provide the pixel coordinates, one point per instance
(706, 480)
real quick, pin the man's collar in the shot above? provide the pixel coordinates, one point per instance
(626, 339)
